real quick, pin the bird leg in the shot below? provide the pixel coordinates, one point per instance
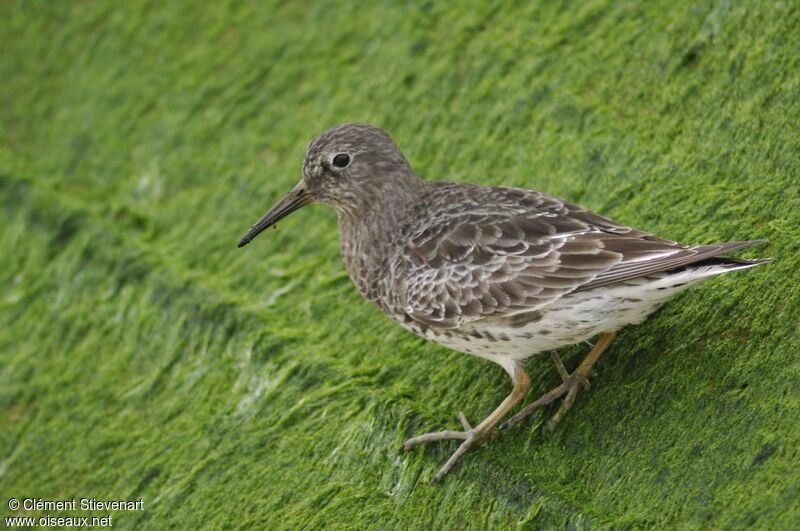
(472, 436)
(570, 385)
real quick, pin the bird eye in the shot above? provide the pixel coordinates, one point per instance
(341, 160)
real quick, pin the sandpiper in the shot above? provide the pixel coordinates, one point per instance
(499, 273)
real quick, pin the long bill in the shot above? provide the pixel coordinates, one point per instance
(294, 200)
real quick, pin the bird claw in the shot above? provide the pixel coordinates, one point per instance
(568, 390)
(464, 422)
(426, 438)
(473, 437)
(469, 438)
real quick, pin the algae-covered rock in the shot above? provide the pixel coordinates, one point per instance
(142, 356)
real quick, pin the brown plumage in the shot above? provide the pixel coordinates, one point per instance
(500, 273)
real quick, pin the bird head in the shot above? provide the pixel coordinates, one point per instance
(352, 168)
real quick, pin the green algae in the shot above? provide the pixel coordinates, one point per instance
(143, 356)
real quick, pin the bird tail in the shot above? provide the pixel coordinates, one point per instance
(706, 267)
(724, 264)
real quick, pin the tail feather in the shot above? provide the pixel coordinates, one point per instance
(694, 258)
(730, 264)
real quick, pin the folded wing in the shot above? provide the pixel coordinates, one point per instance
(523, 257)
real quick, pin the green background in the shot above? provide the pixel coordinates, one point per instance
(143, 356)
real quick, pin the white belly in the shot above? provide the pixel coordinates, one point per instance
(571, 319)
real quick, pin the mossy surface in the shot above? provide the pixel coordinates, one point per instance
(143, 356)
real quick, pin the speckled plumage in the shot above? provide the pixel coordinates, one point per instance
(500, 273)
(475, 267)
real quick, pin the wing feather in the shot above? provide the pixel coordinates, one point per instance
(518, 251)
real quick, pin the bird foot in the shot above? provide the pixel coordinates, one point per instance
(574, 384)
(570, 385)
(568, 389)
(469, 436)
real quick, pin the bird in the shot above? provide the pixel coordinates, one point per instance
(500, 273)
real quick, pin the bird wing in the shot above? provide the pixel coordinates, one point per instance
(512, 251)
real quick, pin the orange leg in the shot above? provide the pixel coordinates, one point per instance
(569, 387)
(472, 436)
